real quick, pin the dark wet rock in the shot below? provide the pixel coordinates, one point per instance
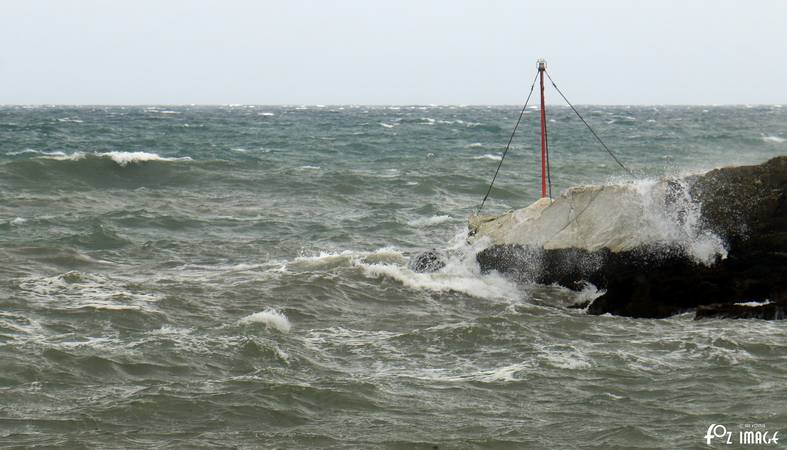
(427, 262)
(771, 311)
(746, 206)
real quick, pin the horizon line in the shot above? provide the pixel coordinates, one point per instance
(376, 105)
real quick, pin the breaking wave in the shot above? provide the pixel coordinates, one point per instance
(774, 139)
(270, 318)
(103, 169)
(489, 156)
(461, 273)
(429, 221)
(120, 158)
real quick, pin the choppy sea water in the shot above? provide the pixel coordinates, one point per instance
(238, 277)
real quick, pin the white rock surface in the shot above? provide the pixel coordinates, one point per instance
(618, 217)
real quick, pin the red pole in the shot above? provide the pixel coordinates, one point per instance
(541, 68)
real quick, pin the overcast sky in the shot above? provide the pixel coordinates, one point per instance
(391, 52)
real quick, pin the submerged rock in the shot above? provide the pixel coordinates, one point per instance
(427, 262)
(702, 243)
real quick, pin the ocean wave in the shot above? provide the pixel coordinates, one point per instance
(489, 156)
(270, 318)
(346, 258)
(774, 139)
(75, 290)
(120, 158)
(461, 273)
(471, 282)
(17, 221)
(129, 170)
(23, 152)
(428, 221)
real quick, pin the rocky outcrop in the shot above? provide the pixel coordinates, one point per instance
(744, 208)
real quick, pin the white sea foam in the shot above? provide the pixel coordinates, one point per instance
(121, 158)
(267, 114)
(387, 125)
(323, 261)
(270, 318)
(504, 373)
(589, 292)
(754, 303)
(428, 221)
(489, 156)
(308, 167)
(125, 158)
(22, 152)
(460, 274)
(475, 145)
(76, 290)
(507, 373)
(17, 221)
(565, 358)
(774, 139)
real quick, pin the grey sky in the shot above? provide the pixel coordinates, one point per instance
(391, 52)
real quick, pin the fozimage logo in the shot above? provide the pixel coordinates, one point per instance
(749, 434)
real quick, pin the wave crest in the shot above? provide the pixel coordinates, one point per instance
(270, 318)
(120, 158)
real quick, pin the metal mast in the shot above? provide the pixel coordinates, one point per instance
(542, 65)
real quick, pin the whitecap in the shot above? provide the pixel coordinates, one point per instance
(308, 167)
(17, 221)
(454, 278)
(489, 156)
(571, 359)
(121, 158)
(428, 221)
(270, 318)
(475, 145)
(322, 261)
(754, 303)
(774, 139)
(125, 158)
(23, 152)
(387, 125)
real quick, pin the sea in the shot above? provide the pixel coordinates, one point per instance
(239, 276)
